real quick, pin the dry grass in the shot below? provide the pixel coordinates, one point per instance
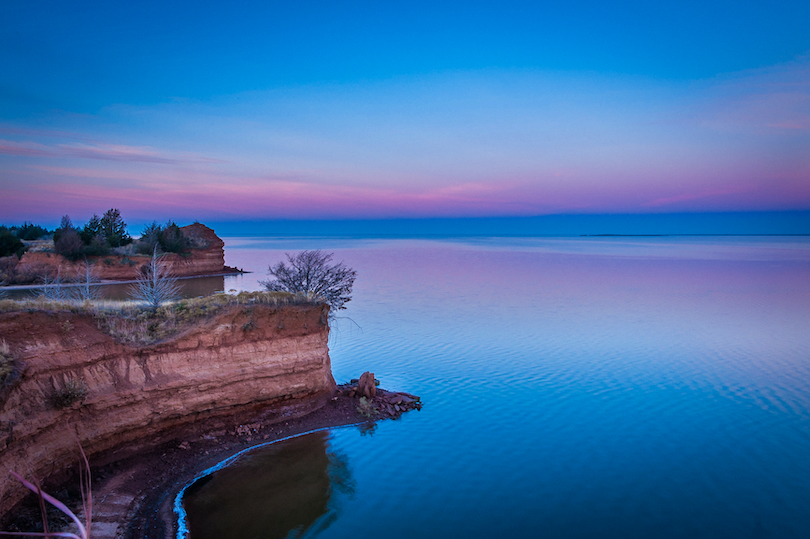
(133, 323)
(6, 361)
(41, 304)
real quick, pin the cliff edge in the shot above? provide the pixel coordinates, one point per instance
(205, 257)
(244, 356)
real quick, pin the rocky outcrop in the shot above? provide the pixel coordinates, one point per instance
(245, 356)
(206, 257)
(378, 403)
(366, 386)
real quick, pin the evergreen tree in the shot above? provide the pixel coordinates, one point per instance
(91, 230)
(10, 244)
(114, 228)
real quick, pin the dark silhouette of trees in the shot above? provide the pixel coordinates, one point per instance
(69, 244)
(169, 239)
(30, 231)
(10, 244)
(114, 229)
(96, 237)
(109, 230)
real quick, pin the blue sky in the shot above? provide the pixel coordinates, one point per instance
(81, 56)
(397, 110)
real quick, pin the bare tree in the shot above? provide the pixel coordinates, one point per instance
(310, 273)
(156, 285)
(87, 278)
(54, 288)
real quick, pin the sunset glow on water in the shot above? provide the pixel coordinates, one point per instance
(572, 388)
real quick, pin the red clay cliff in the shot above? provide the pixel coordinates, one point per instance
(245, 356)
(207, 257)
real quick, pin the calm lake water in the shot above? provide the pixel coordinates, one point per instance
(580, 387)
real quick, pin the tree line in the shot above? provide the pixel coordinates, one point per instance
(100, 236)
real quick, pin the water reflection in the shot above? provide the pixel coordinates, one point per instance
(280, 490)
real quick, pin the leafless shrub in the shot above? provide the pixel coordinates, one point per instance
(30, 273)
(54, 288)
(8, 266)
(69, 244)
(87, 278)
(156, 285)
(310, 273)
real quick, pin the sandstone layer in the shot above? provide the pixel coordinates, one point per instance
(206, 257)
(246, 356)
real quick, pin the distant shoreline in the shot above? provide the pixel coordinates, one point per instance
(227, 271)
(684, 235)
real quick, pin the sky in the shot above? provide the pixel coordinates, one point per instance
(400, 110)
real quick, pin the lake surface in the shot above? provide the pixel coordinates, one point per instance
(573, 387)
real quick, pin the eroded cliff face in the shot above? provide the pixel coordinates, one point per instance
(207, 257)
(246, 356)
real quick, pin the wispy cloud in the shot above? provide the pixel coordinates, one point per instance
(101, 151)
(487, 143)
(117, 152)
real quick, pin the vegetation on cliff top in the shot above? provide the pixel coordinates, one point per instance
(133, 323)
(106, 234)
(310, 273)
(99, 237)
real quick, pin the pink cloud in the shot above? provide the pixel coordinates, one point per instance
(730, 144)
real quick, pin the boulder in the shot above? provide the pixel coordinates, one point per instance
(365, 385)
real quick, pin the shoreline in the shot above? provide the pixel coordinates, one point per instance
(134, 494)
(225, 273)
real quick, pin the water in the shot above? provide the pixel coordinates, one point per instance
(581, 387)
(189, 287)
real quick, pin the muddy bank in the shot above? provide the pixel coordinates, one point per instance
(152, 416)
(151, 514)
(134, 493)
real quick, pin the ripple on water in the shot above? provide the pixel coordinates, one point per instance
(573, 390)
